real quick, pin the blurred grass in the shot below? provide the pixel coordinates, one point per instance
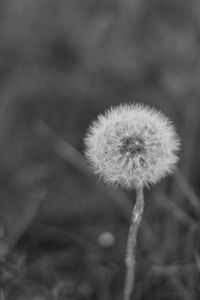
(62, 63)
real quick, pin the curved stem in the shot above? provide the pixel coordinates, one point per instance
(131, 243)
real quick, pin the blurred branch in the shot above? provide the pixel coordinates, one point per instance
(174, 209)
(7, 243)
(57, 234)
(188, 191)
(189, 138)
(190, 131)
(32, 174)
(173, 269)
(3, 245)
(26, 218)
(74, 157)
(2, 295)
(175, 281)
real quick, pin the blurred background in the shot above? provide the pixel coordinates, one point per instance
(61, 64)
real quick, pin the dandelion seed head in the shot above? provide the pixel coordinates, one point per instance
(132, 146)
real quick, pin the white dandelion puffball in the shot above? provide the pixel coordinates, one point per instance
(132, 146)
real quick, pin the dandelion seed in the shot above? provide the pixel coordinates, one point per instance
(132, 146)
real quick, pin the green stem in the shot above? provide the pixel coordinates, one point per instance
(131, 243)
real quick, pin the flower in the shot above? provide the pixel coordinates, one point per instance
(132, 146)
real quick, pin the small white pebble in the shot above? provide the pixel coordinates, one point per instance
(106, 239)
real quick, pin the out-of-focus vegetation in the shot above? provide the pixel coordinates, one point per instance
(61, 64)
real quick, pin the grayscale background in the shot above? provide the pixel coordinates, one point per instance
(61, 64)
